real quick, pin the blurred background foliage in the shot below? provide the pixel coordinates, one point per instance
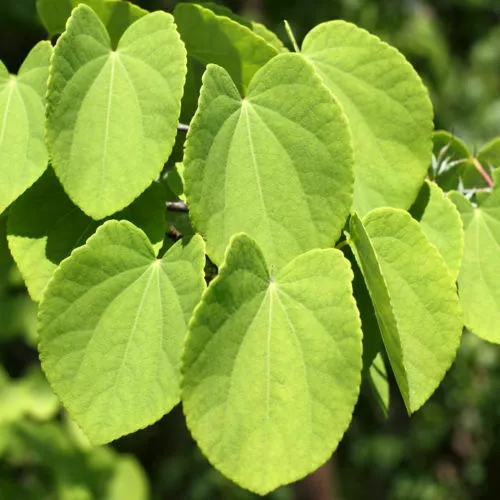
(448, 450)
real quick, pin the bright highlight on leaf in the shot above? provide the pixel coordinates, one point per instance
(271, 368)
(414, 297)
(276, 165)
(478, 280)
(23, 155)
(388, 108)
(44, 226)
(441, 223)
(112, 115)
(112, 323)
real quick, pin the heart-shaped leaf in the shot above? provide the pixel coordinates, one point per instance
(44, 227)
(23, 155)
(112, 114)
(478, 279)
(389, 112)
(271, 368)
(281, 173)
(111, 325)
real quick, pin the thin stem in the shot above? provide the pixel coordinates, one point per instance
(183, 127)
(291, 36)
(482, 171)
(470, 192)
(344, 243)
(177, 206)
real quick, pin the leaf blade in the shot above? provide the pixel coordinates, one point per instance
(392, 138)
(112, 323)
(102, 165)
(23, 155)
(414, 297)
(284, 352)
(262, 167)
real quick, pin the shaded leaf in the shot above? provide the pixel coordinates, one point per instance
(213, 38)
(449, 157)
(441, 223)
(414, 297)
(379, 383)
(117, 16)
(44, 227)
(489, 155)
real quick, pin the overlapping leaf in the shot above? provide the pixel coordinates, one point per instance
(478, 284)
(388, 108)
(213, 38)
(276, 165)
(116, 15)
(450, 154)
(23, 155)
(112, 323)
(489, 155)
(414, 297)
(257, 28)
(272, 363)
(112, 114)
(45, 226)
(441, 224)
(379, 383)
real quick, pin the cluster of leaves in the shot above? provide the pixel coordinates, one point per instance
(449, 449)
(287, 155)
(40, 456)
(458, 66)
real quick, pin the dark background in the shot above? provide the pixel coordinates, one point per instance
(448, 450)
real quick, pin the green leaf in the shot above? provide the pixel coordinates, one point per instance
(388, 108)
(489, 155)
(257, 28)
(449, 145)
(192, 88)
(261, 166)
(117, 16)
(29, 396)
(478, 284)
(212, 38)
(372, 341)
(175, 181)
(23, 155)
(44, 227)
(112, 115)
(271, 367)
(269, 36)
(112, 323)
(441, 223)
(414, 297)
(379, 384)
(6, 261)
(129, 481)
(450, 154)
